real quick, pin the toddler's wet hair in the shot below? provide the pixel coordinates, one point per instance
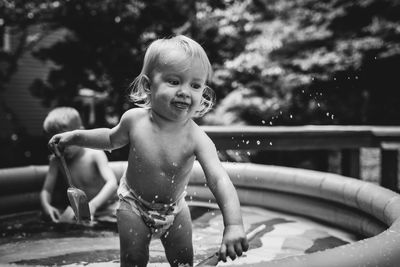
(140, 95)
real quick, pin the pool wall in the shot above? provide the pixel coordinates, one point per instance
(360, 207)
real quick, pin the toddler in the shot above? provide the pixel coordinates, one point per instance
(164, 142)
(89, 170)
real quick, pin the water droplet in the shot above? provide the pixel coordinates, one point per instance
(263, 121)
(248, 153)
(247, 142)
(156, 196)
(291, 116)
(258, 142)
(270, 143)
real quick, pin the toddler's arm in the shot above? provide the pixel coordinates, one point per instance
(100, 138)
(47, 190)
(234, 240)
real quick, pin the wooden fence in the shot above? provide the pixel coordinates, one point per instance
(346, 139)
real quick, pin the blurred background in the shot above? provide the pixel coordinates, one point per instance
(276, 62)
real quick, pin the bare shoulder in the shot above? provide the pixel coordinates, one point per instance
(94, 154)
(134, 114)
(201, 138)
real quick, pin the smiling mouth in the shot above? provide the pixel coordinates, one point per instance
(181, 105)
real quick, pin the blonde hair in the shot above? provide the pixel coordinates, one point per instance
(61, 119)
(139, 93)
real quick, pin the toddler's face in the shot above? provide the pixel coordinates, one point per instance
(177, 88)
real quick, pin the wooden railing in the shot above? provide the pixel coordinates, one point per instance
(346, 139)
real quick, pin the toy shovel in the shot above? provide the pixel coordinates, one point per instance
(214, 259)
(77, 197)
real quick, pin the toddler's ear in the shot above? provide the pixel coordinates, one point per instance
(145, 81)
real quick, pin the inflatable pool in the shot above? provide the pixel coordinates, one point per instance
(331, 209)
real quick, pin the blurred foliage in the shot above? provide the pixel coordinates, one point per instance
(314, 62)
(277, 62)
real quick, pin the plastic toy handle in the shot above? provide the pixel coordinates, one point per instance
(214, 259)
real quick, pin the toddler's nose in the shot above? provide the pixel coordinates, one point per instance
(183, 92)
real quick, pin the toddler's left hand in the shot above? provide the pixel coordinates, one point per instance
(92, 210)
(234, 242)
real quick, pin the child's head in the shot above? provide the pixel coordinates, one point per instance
(62, 119)
(161, 54)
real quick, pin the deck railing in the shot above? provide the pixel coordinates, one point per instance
(346, 139)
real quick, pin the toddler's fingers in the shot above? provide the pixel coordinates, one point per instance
(53, 143)
(231, 252)
(222, 253)
(245, 244)
(238, 249)
(55, 215)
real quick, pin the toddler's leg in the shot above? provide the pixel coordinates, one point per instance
(177, 240)
(134, 237)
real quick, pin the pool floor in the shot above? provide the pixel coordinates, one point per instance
(26, 240)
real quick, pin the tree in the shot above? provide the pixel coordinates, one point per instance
(315, 63)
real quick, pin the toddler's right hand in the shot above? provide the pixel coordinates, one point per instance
(53, 213)
(58, 142)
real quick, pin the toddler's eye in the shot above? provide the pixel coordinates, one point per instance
(173, 82)
(196, 86)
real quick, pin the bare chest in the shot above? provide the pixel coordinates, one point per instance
(169, 153)
(84, 172)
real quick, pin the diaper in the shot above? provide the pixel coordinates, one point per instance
(157, 216)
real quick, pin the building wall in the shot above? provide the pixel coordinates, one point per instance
(27, 109)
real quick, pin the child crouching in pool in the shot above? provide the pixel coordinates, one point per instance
(164, 143)
(89, 169)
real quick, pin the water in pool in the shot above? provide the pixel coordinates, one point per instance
(25, 240)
